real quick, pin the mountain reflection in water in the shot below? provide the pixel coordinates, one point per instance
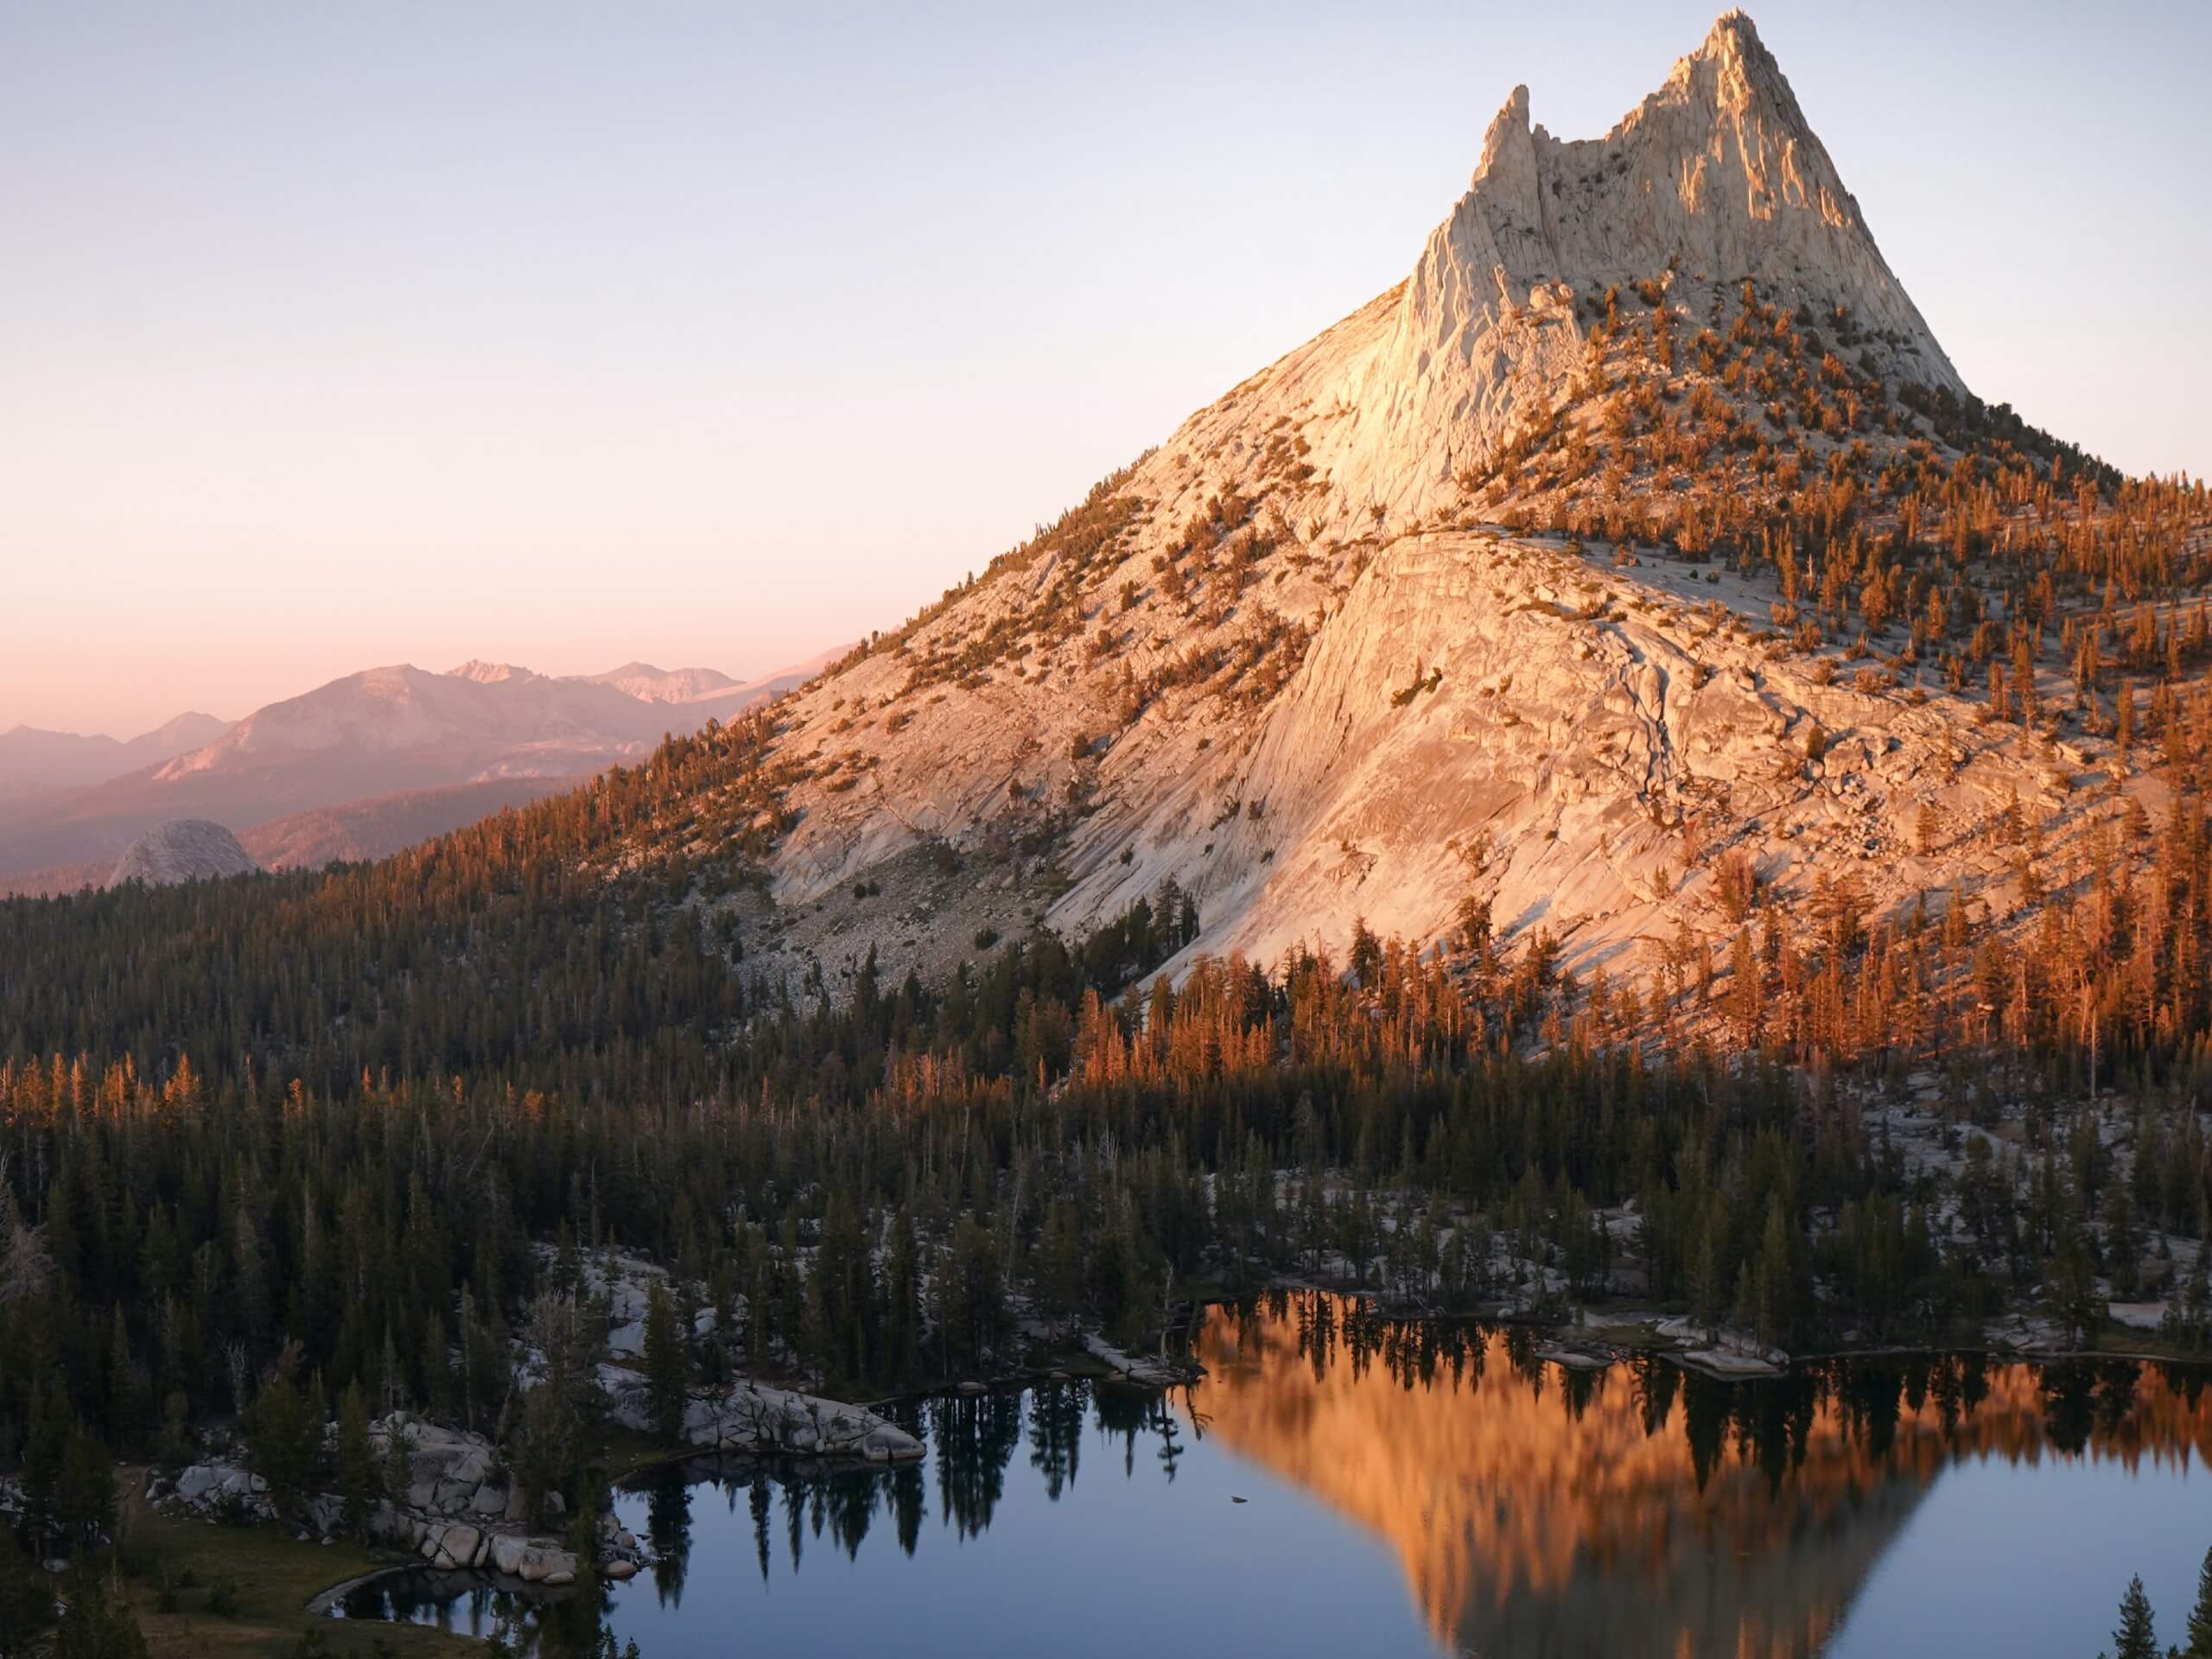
(1531, 1510)
(1643, 1510)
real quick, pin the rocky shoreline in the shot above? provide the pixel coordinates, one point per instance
(753, 1417)
(462, 1511)
(461, 1508)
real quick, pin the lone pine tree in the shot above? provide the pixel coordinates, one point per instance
(2200, 1616)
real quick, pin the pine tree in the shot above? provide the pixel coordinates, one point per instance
(125, 1423)
(391, 1380)
(667, 1363)
(1744, 990)
(398, 1465)
(2135, 1638)
(98, 1623)
(902, 1286)
(282, 1440)
(26, 1600)
(1707, 1274)
(1774, 1278)
(85, 1495)
(1059, 1267)
(359, 1479)
(2200, 1616)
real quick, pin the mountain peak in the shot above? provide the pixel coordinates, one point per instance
(1714, 180)
(1663, 335)
(1733, 36)
(1735, 73)
(486, 673)
(649, 683)
(1506, 138)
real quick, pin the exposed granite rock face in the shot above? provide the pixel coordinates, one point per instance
(182, 849)
(460, 1510)
(1296, 662)
(1573, 737)
(1134, 1367)
(747, 1416)
(753, 1417)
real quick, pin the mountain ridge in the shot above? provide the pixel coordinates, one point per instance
(1570, 579)
(33, 760)
(365, 764)
(650, 684)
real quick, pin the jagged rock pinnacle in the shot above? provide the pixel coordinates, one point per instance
(1507, 140)
(1715, 178)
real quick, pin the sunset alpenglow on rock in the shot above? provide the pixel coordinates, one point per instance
(1528, 980)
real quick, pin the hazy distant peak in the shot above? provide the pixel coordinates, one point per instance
(646, 681)
(32, 760)
(486, 673)
(187, 731)
(355, 767)
(651, 683)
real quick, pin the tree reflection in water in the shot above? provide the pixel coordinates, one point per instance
(1534, 1509)
(972, 1440)
(533, 1625)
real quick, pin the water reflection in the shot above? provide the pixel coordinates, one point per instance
(972, 1441)
(533, 1624)
(1643, 1510)
(793, 1508)
(1531, 1510)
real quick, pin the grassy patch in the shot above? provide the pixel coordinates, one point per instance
(1641, 1338)
(619, 1452)
(263, 1573)
(2127, 1342)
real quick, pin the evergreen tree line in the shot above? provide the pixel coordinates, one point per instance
(872, 1186)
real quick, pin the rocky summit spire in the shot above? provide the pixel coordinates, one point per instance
(1716, 176)
(1714, 179)
(1507, 152)
(1733, 54)
(1732, 38)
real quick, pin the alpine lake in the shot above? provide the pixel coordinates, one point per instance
(1341, 1482)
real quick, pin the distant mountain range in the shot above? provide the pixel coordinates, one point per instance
(357, 768)
(650, 684)
(32, 760)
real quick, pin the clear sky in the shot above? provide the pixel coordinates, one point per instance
(332, 335)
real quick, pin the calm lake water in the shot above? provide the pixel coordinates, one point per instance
(1343, 1484)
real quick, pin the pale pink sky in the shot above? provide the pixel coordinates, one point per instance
(332, 336)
